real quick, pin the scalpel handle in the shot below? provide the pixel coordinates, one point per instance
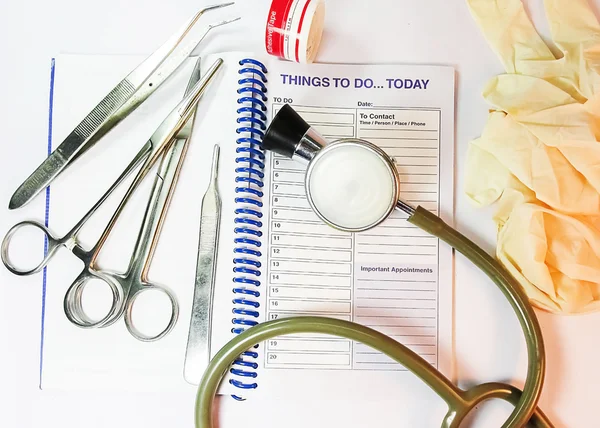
(197, 355)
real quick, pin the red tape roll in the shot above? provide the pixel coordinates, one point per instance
(294, 29)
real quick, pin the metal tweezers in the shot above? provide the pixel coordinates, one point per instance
(123, 99)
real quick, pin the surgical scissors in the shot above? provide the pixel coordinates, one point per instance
(123, 99)
(125, 288)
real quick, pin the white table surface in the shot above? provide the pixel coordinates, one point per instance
(489, 346)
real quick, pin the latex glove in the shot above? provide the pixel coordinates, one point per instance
(555, 257)
(558, 155)
(540, 151)
(544, 139)
(575, 31)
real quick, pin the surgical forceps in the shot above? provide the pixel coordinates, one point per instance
(170, 140)
(123, 99)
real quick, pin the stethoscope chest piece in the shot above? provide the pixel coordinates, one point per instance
(352, 185)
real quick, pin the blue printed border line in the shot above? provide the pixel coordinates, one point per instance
(47, 213)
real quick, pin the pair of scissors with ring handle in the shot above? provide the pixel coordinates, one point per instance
(168, 143)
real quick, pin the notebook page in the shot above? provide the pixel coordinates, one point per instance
(394, 278)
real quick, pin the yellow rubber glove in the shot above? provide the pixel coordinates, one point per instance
(575, 31)
(543, 137)
(555, 257)
(539, 155)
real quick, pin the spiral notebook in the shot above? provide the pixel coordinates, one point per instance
(285, 262)
(275, 258)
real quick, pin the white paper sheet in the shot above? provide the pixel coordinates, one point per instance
(74, 358)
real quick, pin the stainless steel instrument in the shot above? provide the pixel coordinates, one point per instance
(123, 99)
(169, 143)
(197, 353)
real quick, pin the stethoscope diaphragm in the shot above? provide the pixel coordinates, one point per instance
(352, 185)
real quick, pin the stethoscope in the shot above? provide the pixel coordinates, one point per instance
(362, 197)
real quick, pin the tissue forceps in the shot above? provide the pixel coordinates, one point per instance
(125, 288)
(123, 99)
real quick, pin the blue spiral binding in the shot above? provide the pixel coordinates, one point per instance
(248, 204)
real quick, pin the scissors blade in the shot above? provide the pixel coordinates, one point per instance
(124, 98)
(164, 136)
(160, 141)
(197, 355)
(165, 183)
(186, 131)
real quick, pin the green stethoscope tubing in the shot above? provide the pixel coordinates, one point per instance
(459, 402)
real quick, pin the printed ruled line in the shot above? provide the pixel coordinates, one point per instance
(332, 287)
(380, 369)
(407, 108)
(273, 351)
(301, 339)
(410, 226)
(293, 363)
(313, 312)
(379, 353)
(396, 245)
(375, 137)
(314, 123)
(416, 156)
(420, 191)
(278, 168)
(395, 289)
(418, 182)
(421, 173)
(401, 227)
(401, 335)
(408, 147)
(397, 298)
(397, 227)
(379, 253)
(403, 326)
(391, 307)
(400, 130)
(325, 250)
(309, 247)
(412, 326)
(305, 300)
(394, 317)
(286, 220)
(315, 261)
(301, 197)
(335, 136)
(304, 209)
(276, 350)
(316, 234)
(427, 353)
(413, 335)
(395, 280)
(339, 275)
